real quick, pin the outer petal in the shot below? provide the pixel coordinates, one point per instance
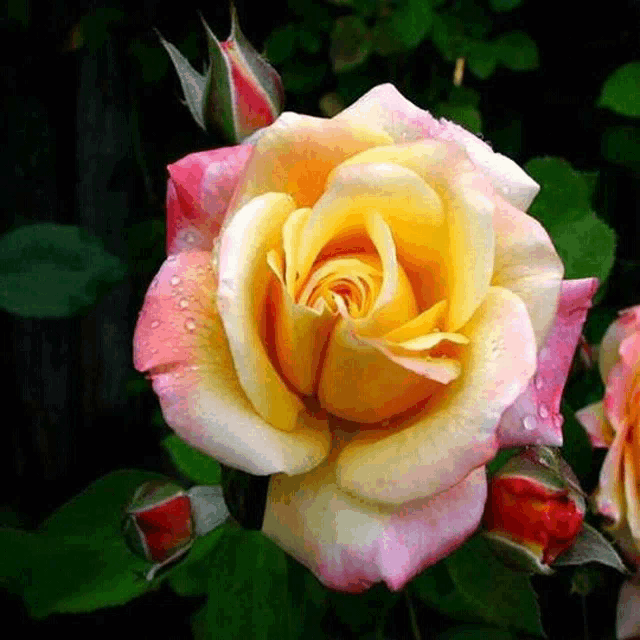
(526, 263)
(456, 433)
(198, 192)
(244, 279)
(534, 417)
(180, 341)
(628, 615)
(388, 109)
(296, 154)
(592, 419)
(609, 352)
(351, 543)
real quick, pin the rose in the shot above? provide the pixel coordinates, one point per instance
(535, 509)
(376, 300)
(614, 423)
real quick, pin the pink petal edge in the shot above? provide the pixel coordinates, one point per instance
(199, 190)
(534, 418)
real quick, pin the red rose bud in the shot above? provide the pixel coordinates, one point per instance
(534, 510)
(159, 525)
(239, 93)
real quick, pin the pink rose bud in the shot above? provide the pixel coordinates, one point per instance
(158, 524)
(534, 510)
(240, 91)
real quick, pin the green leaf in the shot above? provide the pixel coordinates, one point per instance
(517, 51)
(503, 456)
(504, 5)
(191, 576)
(583, 241)
(152, 60)
(361, 612)
(482, 59)
(404, 29)
(621, 145)
(299, 76)
(197, 466)
(54, 270)
(78, 560)
(621, 89)
(350, 43)
(494, 593)
(465, 115)
(281, 43)
(248, 591)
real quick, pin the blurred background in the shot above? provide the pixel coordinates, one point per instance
(93, 115)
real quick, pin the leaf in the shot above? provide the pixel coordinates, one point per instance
(153, 62)
(360, 612)
(591, 546)
(621, 89)
(78, 560)
(248, 591)
(502, 457)
(472, 584)
(517, 51)
(464, 115)
(197, 466)
(504, 5)
(54, 270)
(350, 43)
(497, 594)
(475, 632)
(404, 29)
(193, 83)
(282, 43)
(482, 59)
(584, 242)
(621, 145)
(299, 76)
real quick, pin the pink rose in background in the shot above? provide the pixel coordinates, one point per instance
(614, 422)
(358, 305)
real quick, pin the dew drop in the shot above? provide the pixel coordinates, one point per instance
(184, 303)
(538, 382)
(172, 258)
(543, 412)
(155, 324)
(190, 324)
(175, 281)
(529, 423)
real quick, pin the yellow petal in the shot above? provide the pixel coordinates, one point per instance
(244, 282)
(467, 248)
(296, 154)
(430, 320)
(290, 234)
(300, 334)
(527, 264)
(460, 426)
(632, 488)
(410, 208)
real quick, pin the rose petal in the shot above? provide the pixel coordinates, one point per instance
(244, 283)
(628, 612)
(631, 491)
(534, 417)
(457, 434)
(526, 263)
(180, 341)
(198, 193)
(592, 419)
(609, 352)
(610, 493)
(461, 260)
(411, 208)
(296, 154)
(351, 543)
(387, 108)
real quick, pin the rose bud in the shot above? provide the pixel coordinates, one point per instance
(158, 524)
(534, 510)
(239, 93)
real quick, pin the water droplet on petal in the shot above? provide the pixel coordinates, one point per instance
(172, 258)
(184, 303)
(543, 412)
(155, 324)
(529, 423)
(538, 382)
(190, 324)
(175, 280)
